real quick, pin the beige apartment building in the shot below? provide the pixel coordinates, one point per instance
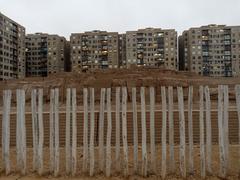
(45, 54)
(94, 50)
(12, 49)
(212, 50)
(152, 47)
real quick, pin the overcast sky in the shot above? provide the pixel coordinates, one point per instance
(66, 16)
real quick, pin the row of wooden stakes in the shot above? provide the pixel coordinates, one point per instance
(105, 162)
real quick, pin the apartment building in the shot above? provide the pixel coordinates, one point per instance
(94, 50)
(212, 50)
(57, 54)
(45, 54)
(12, 49)
(152, 47)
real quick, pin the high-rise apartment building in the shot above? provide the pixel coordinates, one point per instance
(45, 54)
(212, 50)
(12, 49)
(152, 47)
(94, 50)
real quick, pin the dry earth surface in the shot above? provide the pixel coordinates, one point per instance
(234, 166)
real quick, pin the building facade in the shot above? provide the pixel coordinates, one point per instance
(12, 49)
(94, 50)
(45, 54)
(57, 54)
(152, 47)
(212, 50)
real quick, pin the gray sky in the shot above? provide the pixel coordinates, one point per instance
(66, 16)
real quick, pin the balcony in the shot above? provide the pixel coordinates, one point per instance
(84, 43)
(227, 53)
(227, 58)
(205, 42)
(227, 42)
(140, 56)
(139, 46)
(104, 42)
(227, 48)
(227, 36)
(205, 33)
(104, 53)
(160, 34)
(205, 53)
(140, 40)
(140, 34)
(140, 50)
(160, 60)
(104, 63)
(227, 31)
(158, 56)
(205, 38)
(85, 48)
(205, 60)
(104, 47)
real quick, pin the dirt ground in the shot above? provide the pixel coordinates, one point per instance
(119, 77)
(136, 77)
(234, 166)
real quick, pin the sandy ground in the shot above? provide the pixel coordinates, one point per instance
(139, 77)
(234, 166)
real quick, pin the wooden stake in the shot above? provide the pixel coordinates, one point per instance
(144, 133)
(135, 131)
(92, 128)
(182, 132)
(101, 130)
(74, 133)
(41, 131)
(7, 95)
(85, 130)
(209, 131)
(164, 132)
(21, 132)
(56, 132)
(202, 142)
(221, 132)
(34, 128)
(68, 132)
(171, 129)
(109, 134)
(52, 130)
(117, 157)
(152, 129)
(190, 130)
(225, 124)
(124, 130)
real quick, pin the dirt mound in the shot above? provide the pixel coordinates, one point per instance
(118, 77)
(135, 77)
